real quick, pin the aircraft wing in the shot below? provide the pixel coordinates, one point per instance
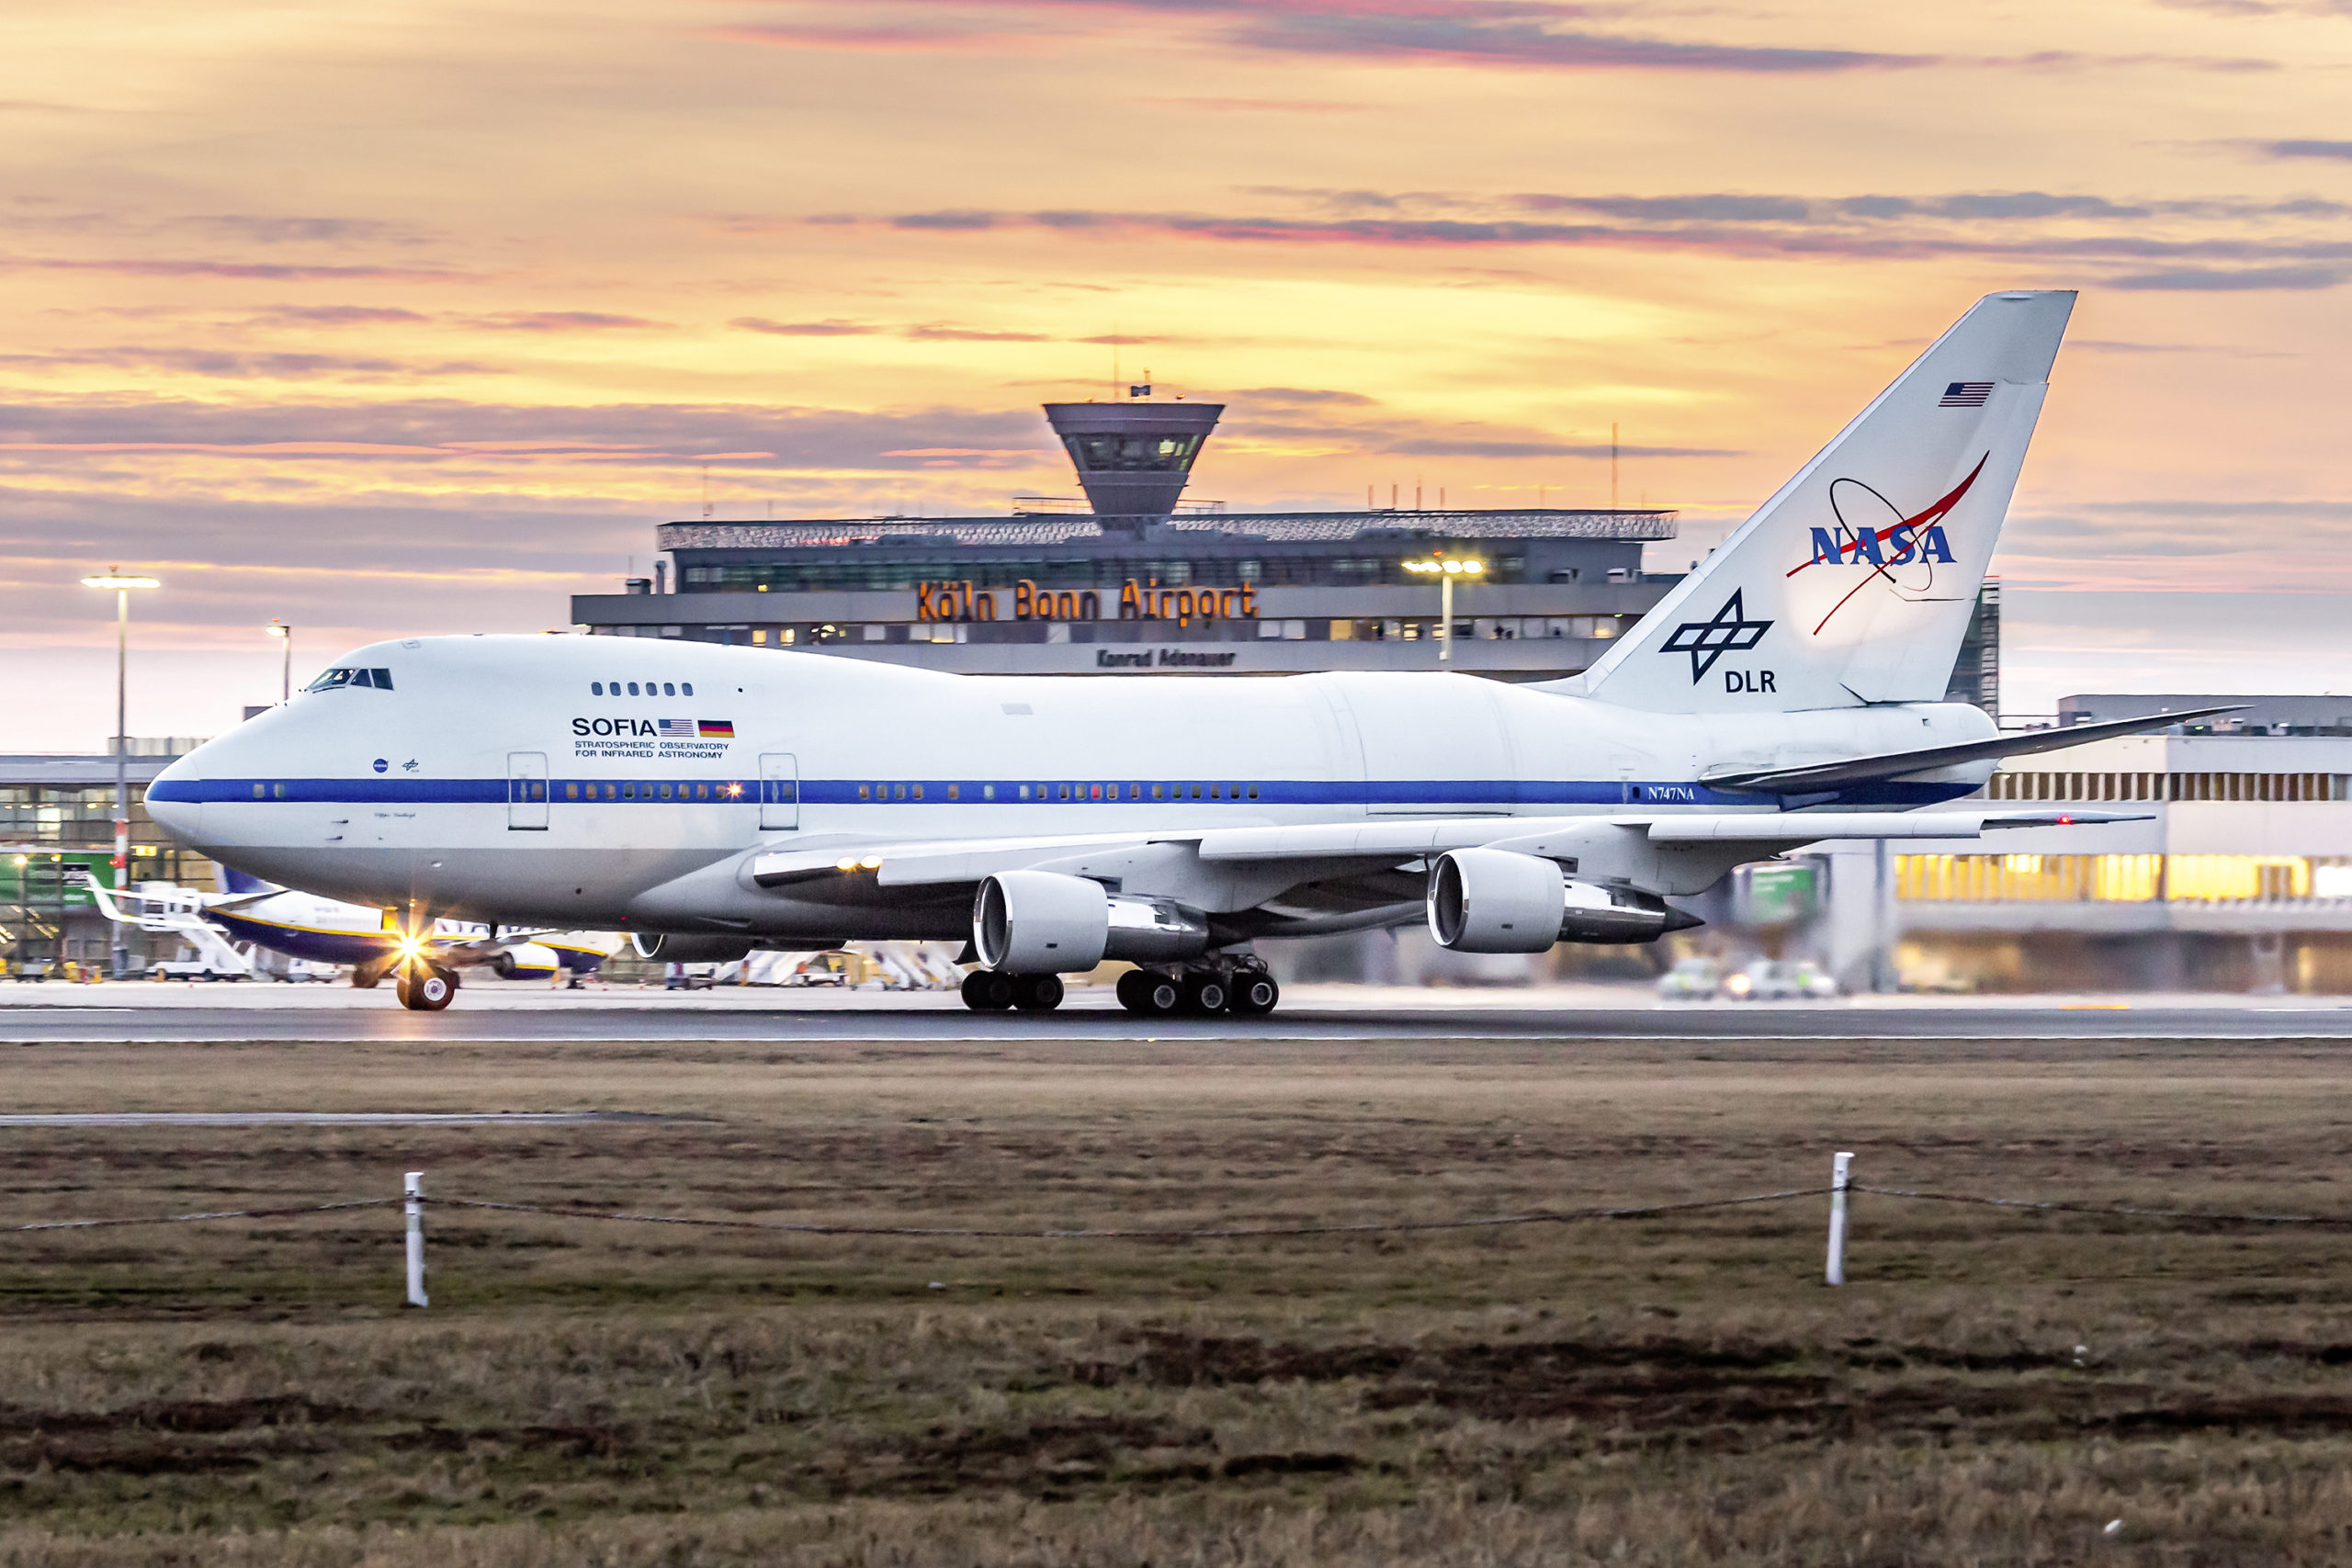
(1325, 849)
(1895, 764)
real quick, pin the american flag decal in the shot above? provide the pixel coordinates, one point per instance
(677, 729)
(1966, 395)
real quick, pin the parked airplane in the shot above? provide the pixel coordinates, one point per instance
(718, 799)
(325, 930)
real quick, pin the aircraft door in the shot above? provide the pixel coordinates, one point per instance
(526, 790)
(779, 790)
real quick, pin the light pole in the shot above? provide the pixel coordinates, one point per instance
(112, 578)
(284, 633)
(1448, 568)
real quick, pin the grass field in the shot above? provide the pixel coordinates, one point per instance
(1992, 1387)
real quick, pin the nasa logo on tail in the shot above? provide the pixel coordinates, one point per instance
(1901, 552)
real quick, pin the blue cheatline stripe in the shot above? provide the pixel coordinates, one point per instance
(1467, 793)
(324, 947)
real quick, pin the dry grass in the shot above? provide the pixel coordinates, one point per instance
(1652, 1392)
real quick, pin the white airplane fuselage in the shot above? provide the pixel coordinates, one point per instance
(572, 782)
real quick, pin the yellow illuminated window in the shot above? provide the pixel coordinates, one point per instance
(865, 792)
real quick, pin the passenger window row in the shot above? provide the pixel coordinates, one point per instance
(653, 688)
(1059, 792)
(631, 789)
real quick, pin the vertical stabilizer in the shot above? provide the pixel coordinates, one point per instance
(1855, 582)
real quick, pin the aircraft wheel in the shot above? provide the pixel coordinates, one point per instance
(988, 990)
(1037, 993)
(427, 990)
(1255, 993)
(1206, 992)
(1149, 993)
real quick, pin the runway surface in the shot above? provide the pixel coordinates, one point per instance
(133, 1012)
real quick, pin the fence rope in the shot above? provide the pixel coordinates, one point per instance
(2060, 1206)
(209, 1214)
(1217, 1233)
(1540, 1217)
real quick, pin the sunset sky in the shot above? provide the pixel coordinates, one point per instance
(418, 316)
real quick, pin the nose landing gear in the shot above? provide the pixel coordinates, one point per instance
(426, 987)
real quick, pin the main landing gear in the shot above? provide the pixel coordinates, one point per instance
(426, 987)
(993, 990)
(1244, 989)
(1200, 991)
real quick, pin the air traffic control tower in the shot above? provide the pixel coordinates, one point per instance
(1133, 458)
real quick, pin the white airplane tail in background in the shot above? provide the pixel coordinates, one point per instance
(1854, 584)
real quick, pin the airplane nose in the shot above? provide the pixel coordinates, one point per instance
(176, 799)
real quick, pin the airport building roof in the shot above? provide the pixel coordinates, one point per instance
(1640, 525)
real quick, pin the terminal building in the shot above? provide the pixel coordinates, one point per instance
(1135, 579)
(57, 826)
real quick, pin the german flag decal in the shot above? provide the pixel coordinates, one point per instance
(718, 729)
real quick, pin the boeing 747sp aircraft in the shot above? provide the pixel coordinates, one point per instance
(712, 799)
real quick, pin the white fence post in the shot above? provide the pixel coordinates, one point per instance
(1840, 1174)
(412, 1186)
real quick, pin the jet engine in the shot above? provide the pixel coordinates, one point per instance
(1042, 922)
(1498, 901)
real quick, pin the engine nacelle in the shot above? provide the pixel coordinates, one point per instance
(1500, 901)
(1495, 901)
(1041, 922)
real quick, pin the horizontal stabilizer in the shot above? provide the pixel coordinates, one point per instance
(1895, 764)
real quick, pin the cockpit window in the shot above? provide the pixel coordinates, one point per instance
(339, 676)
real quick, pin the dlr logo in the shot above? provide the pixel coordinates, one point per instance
(1747, 680)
